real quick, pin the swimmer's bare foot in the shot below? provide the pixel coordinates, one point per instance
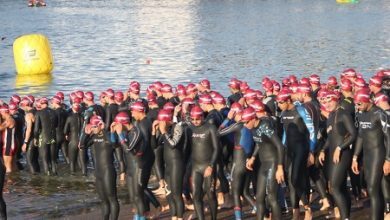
(325, 204)
(308, 214)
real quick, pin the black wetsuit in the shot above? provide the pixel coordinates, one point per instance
(235, 97)
(386, 182)
(45, 126)
(72, 129)
(61, 143)
(341, 133)
(158, 148)
(133, 145)
(102, 153)
(32, 150)
(269, 149)
(19, 126)
(173, 144)
(216, 118)
(315, 172)
(152, 114)
(374, 140)
(348, 105)
(161, 101)
(296, 137)
(111, 111)
(147, 159)
(204, 153)
(243, 147)
(271, 106)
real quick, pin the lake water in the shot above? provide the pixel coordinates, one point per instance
(102, 44)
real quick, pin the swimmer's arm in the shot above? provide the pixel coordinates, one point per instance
(29, 127)
(177, 134)
(358, 147)
(136, 138)
(215, 145)
(232, 128)
(37, 126)
(67, 126)
(350, 127)
(279, 147)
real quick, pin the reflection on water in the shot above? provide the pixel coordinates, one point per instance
(101, 44)
(32, 84)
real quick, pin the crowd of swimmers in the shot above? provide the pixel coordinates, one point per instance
(255, 146)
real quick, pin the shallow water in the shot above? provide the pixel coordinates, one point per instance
(101, 44)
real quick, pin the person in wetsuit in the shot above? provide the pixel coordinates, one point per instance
(315, 173)
(60, 137)
(45, 126)
(214, 117)
(112, 110)
(298, 137)
(374, 140)
(102, 151)
(133, 144)
(243, 146)
(28, 143)
(147, 158)
(234, 85)
(382, 101)
(348, 105)
(270, 151)
(204, 154)
(341, 133)
(173, 138)
(72, 128)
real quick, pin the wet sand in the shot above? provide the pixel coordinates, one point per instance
(125, 213)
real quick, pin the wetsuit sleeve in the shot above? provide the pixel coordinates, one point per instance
(107, 124)
(358, 145)
(176, 137)
(88, 141)
(67, 126)
(385, 122)
(256, 150)
(37, 126)
(133, 140)
(279, 147)
(350, 127)
(215, 144)
(309, 125)
(232, 128)
(153, 141)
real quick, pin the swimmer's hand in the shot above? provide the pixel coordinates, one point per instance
(321, 158)
(336, 155)
(310, 160)
(249, 163)
(386, 168)
(35, 142)
(208, 171)
(354, 167)
(279, 175)
(24, 148)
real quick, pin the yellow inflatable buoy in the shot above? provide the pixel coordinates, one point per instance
(32, 55)
(346, 1)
